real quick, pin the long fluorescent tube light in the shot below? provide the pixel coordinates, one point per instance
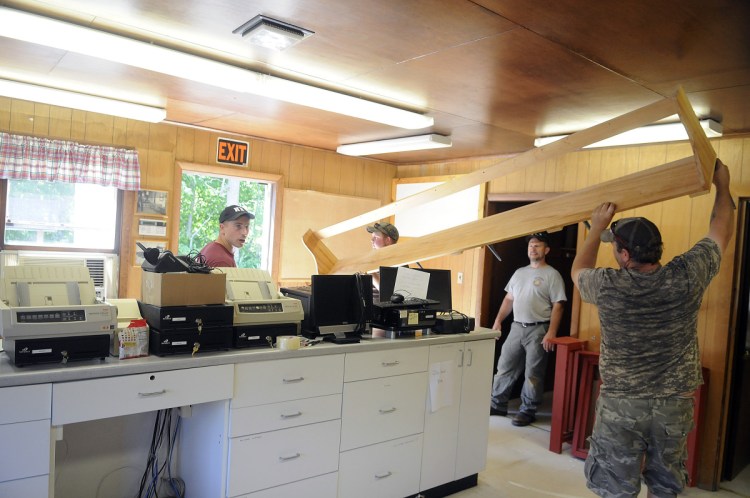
(419, 142)
(52, 33)
(667, 132)
(82, 101)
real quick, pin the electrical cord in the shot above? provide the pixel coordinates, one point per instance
(150, 478)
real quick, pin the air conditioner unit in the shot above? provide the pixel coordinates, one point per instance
(103, 268)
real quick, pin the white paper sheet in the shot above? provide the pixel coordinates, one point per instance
(442, 375)
(411, 283)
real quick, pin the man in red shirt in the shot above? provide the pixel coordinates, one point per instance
(234, 226)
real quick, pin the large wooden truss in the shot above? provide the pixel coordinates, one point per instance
(688, 176)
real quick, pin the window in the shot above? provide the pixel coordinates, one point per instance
(70, 216)
(440, 214)
(202, 198)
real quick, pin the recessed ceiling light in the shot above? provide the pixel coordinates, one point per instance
(272, 33)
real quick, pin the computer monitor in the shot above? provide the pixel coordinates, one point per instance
(438, 288)
(339, 305)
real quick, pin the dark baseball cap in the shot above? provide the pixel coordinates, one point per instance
(635, 234)
(386, 229)
(540, 236)
(233, 212)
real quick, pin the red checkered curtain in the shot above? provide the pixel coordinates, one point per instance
(33, 158)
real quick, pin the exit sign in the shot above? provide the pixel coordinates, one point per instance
(232, 152)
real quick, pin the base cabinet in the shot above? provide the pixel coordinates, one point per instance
(456, 413)
(25, 436)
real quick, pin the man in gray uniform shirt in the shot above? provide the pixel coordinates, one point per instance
(535, 294)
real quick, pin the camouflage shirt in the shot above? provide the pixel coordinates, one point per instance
(649, 346)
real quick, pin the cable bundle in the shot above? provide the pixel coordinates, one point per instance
(154, 469)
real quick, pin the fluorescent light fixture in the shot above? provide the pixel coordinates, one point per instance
(667, 132)
(82, 101)
(419, 142)
(64, 36)
(272, 33)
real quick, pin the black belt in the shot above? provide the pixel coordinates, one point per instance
(530, 324)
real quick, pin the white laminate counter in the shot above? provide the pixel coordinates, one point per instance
(10, 375)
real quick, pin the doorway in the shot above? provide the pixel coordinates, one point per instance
(512, 255)
(737, 448)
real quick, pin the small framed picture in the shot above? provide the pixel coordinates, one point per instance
(152, 202)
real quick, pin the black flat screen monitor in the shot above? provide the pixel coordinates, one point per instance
(438, 288)
(340, 305)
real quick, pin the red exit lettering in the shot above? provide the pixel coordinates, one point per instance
(232, 152)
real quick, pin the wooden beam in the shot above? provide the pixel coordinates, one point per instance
(702, 149)
(644, 115)
(657, 184)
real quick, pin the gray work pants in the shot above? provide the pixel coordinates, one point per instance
(522, 343)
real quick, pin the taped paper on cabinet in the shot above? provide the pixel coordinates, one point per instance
(442, 376)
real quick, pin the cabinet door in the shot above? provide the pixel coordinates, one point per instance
(95, 399)
(473, 427)
(263, 382)
(442, 414)
(33, 487)
(385, 363)
(381, 409)
(385, 470)
(279, 457)
(25, 450)
(324, 486)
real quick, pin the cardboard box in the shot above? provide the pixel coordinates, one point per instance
(182, 289)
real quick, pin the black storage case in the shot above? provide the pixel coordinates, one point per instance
(57, 349)
(182, 329)
(184, 341)
(254, 336)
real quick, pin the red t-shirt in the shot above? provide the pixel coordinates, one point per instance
(217, 255)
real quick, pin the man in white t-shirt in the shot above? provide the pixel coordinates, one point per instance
(535, 294)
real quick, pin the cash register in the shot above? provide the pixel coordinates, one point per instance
(50, 314)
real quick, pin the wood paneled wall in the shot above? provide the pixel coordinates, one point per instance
(682, 221)
(160, 145)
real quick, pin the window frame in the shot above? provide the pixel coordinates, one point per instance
(277, 193)
(17, 247)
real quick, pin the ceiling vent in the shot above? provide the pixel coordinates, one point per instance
(272, 33)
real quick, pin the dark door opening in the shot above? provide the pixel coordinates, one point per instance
(513, 255)
(737, 449)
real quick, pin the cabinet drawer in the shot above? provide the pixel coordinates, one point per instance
(375, 364)
(279, 457)
(381, 409)
(283, 380)
(381, 470)
(33, 487)
(24, 403)
(111, 397)
(25, 450)
(264, 418)
(316, 487)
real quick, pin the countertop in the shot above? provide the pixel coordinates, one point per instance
(11, 375)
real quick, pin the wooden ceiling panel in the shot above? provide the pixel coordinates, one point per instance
(493, 73)
(497, 81)
(698, 44)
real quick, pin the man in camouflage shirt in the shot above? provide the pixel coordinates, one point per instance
(649, 362)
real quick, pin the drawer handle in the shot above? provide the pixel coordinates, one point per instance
(283, 458)
(155, 393)
(384, 475)
(388, 410)
(390, 363)
(292, 381)
(291, 415)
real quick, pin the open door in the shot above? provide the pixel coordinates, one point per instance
(737, 450)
